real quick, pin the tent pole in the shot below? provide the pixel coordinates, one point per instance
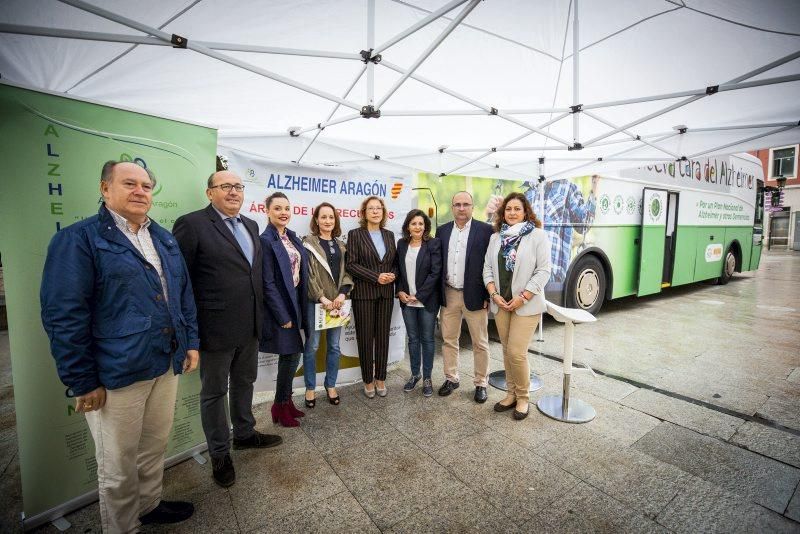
(419, 25)
(233, 47)
(697, 92)
(433, 113)
(370, 46)
(633, 136)
(154, 41)
(330, 115)
(508, 143)
(80, 34)
(752, 138)
(536, 129)
(621, 152)
(461, 112)
(689, 100)
(80, 4)
(323, 125)
(429, 50)
(477, 104)
(575, 76)
(507, 149)
(535, 111)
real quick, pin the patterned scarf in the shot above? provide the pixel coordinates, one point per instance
(509, 239)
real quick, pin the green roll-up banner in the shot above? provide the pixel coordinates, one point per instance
(52, 149)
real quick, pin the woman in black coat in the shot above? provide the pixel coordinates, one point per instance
(285, 267)
(419, 288)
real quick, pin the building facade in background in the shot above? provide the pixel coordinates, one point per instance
(782, 223)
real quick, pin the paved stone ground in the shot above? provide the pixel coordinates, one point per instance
(698, 429)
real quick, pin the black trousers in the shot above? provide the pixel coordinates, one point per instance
(373, 319)
(239, 367)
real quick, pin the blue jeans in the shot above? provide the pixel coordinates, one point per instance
(287, 365)
(419, 326)
(310, 353)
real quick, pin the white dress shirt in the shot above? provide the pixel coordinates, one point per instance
(457, 255)
(411, 272)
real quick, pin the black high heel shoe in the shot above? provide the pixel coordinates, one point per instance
(333, 400)
(311, 403)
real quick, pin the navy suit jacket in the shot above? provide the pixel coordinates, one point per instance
(428, 278)
(227, 288)
(283, 301)
(475, 294)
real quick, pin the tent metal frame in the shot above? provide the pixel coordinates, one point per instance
(371, 57)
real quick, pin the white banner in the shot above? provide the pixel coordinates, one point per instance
(307, 187)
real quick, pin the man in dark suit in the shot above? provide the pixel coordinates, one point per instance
(223, 254)
(464, 243)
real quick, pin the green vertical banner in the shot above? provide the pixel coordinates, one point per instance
(52, 151)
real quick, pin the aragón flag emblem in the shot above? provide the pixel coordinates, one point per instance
(396, 189)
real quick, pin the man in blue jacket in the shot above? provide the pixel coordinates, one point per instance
(118, 308)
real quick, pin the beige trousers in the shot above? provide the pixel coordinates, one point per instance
(130, 436)
(516, 332)
(478, 325)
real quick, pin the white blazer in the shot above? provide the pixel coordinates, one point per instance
(531, 270)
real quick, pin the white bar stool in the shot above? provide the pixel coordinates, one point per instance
(561, 407)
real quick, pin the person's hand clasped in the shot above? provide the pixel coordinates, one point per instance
(385, 278)
(339, 301)
(500, 301)
(515, 303)
(191, 361)
(92, 401)
(326, 304)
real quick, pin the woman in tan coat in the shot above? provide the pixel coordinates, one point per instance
(328, 285)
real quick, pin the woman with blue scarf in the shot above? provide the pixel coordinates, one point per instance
(515, 271)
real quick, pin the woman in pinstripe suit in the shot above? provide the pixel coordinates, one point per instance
(371, 255)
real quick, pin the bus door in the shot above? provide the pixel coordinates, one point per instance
(653, 240)
(669, 240)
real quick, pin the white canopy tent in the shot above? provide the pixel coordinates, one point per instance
(477, 87)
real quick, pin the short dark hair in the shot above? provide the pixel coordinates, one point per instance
(362, 222)
(426, 234)
(337, 228)
(499, 216)
(108, 169)
(273, 196)
(211, 179)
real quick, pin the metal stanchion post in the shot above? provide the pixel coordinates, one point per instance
(540, 339)
(562, 407)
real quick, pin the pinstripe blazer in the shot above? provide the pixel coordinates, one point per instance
(364, 266)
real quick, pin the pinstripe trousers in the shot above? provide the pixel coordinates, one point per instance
(373, 319)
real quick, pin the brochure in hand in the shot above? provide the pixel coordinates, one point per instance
(324, 319)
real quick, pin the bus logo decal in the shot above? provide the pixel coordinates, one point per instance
(654, 208)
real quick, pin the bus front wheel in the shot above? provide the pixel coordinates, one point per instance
(586, 287)
(728, 267)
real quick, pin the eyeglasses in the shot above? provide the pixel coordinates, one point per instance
(375, 208)
(227, 187)
(460, 206)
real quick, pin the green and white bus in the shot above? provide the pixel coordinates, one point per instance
(636, 231)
